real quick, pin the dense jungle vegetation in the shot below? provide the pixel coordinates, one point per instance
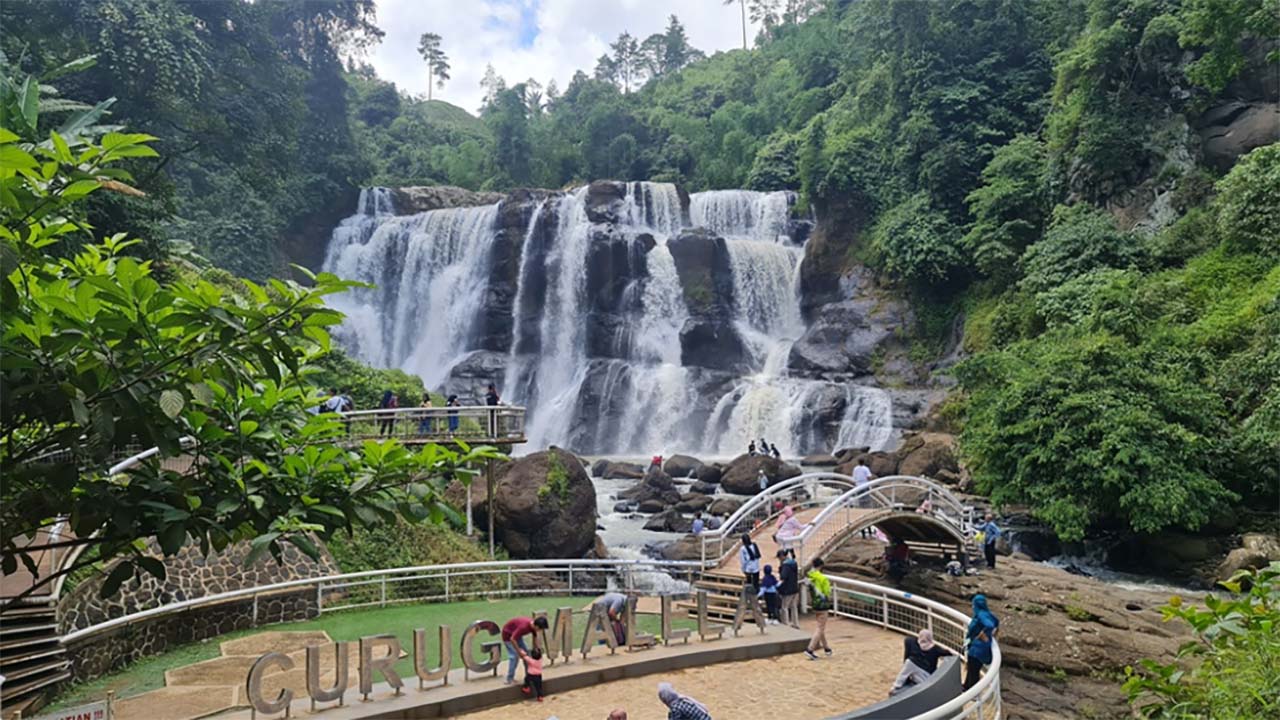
(988, 157)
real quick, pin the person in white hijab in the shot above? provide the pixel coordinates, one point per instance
(919, 660)
(681, 707)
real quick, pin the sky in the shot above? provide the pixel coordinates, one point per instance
(539, 39)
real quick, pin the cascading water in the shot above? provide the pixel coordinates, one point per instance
(597, 316)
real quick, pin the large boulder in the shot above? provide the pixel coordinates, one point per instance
(605, 201)
(933, 455)
(655, 487)
(545, 506)
(713, 344)
(610, 470)
(741, 477)
(1234, 128)
(710, 474)
(702, 488)
(693, 502)
(669, 520)
(414, 200)
(882, 464)
(725, 505)
(682, 466)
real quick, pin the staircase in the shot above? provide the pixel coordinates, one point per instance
(31, 656)
(723, 588)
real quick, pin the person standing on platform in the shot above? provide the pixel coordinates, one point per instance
(751, 448)
(774, 450)
(762, 480)
(453, 414)
(532, 673)
(769, 591)
(861, 477)
(390, 401)
(980, 636)
(513, 633)
(821, 606)
(425, 424)
(789, 588)
(749, 560)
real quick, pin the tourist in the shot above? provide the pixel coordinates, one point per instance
(452, 402)
(897, 559)
(615, 606)
(749, 560)
(980, 635)
(821, 606)
(513, 638)
(861, 477)
(990, 533)
(789, 588)
(425, 423)
(698, 525)
(655, 462)
(617, 714)
(769, 591)
(532, 673)
(762, 480)
(681, 707)
(774, 450)
(751, 448)
(788, 527)
(390, 401)
(920, 656)
(491, 397)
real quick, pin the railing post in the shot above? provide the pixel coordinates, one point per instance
(446, 584)
(383, 602)
(319, 599)
(509, 583)
(571, 580)
(255, 610)
(884, 604)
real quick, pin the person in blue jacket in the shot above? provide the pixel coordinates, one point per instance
(980, 637)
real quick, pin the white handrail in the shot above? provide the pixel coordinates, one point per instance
(318, 583)
(972, 703)
(765, 498)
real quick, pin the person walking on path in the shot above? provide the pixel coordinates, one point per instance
(821, 605)
(861, 477)
(615, 606)
(513, 638)
(990, 533)
(425, 423)
(980, 636)
(920, 656)
(788, 527)
(390, 401)
(789, 588)
(769, 591)
(749, 559)
(681, 707)
(532, 673)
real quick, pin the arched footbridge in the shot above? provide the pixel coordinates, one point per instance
(832, 509)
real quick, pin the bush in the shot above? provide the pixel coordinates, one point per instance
(1235, 659)
(1248, 203)
(918, 243)
(405, 544)
(1081, 239)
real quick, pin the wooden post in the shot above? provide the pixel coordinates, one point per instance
(488, 480)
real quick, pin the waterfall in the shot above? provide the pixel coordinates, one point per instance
(597, 312)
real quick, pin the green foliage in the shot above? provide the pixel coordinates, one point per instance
(401, 543)
(1232, 669)
(1079, 240)
(1009, 209)
(1248, 203)
(336, 369)
(918, 244)
(1222, 28)
(557, 479)
(98, 356)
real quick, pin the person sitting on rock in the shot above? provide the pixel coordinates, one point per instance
(751, 448)
(920, 656)
(698, 525)
(773, 449)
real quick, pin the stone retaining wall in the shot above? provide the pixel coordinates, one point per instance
(100, 654)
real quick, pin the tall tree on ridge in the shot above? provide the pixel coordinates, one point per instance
(492, 84)
(742, 5)
(626, 57)
(437, 60)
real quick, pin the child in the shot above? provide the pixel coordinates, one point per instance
(532, 673)
(769, 591)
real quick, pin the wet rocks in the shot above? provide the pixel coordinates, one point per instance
(693, 502)
(682, 466)
(656, 487)
(742, 475)
(725, 505)
(532, 522)
(703, 488)
(670, 520)
(413, 200)
(611, 470)
(710, 474)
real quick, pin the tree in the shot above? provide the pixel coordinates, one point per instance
(99, 353)
(1248, 203)
(1009, 210)
(1080, 239)
(626, 60)
(508, 118)
(667, 52)
(533, 96)
(492, 83)
(552, 93)
(742, 6)
(606, 69)
(764, 12)
(1234, 662)
(436, 59)
(918, 244)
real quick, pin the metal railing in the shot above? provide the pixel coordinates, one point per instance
(881, 497)
(907, 613)
(440, 583)
(494, 423)
(800, 492)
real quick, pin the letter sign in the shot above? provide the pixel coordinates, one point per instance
(420, 656)
(315, 691)
(490, 648)
(253, 686)
(384, 664)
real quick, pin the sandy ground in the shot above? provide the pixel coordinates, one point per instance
(792, 687)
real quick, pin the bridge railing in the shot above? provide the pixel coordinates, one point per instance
(491, 423)
(908, 613)
(889, 494)
(800, 492)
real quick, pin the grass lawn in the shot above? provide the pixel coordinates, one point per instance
(148, 673)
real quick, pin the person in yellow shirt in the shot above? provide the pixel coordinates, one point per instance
(821, 603)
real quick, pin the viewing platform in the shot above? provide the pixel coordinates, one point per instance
(472, 424)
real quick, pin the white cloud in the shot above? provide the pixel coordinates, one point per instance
(567, 35)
